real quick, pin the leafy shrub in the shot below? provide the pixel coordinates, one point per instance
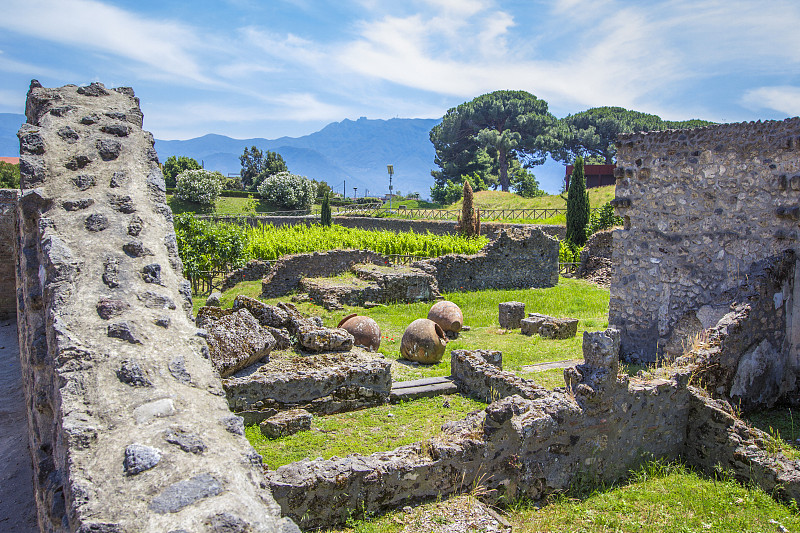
(526, 185)
(175, 165)
(602, 218)
(199, 186)
(9, 175)
(287, 190)
(569, 252)
(206, 246)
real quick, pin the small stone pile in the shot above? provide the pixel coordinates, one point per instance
(247, 332)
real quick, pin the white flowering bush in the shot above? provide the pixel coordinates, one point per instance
(199, 186)
(288, 191)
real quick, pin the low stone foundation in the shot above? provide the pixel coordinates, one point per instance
(287, 272)
(321, 384)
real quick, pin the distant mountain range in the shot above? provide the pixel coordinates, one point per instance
(347, 153)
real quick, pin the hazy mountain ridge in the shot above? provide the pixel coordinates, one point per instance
(351, 151)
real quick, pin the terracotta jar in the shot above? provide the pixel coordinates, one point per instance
(423, 341)
(448, 315)
(365, 331)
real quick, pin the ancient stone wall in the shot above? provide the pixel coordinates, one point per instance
(701, 208)
(516, 259)
(8, 282)
(129, 427)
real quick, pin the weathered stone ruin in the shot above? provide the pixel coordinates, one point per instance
(129, 428)
(531, 442)
(710, 215)
(527, 259)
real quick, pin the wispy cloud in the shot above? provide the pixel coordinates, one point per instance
(784, 99)
(99, 27)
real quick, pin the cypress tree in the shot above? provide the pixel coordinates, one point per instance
(577, 205)
(325, 215)
(468, 223)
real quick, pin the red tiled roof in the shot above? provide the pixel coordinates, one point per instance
(12, 160)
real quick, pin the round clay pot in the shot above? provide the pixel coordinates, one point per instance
(364, 330)
(447, 315)
(423, 341)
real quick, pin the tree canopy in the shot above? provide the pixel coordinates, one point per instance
(175, 165)
(257, 166)
(593, 133)
(480, 137)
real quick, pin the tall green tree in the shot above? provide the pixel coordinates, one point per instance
(257, 166)
(577, 205)
(175, 165)
(593, 133)
(502, 125)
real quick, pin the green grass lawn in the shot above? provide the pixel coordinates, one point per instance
(224, 206)
(365, 431)
(506, 200)
(570, 298)
(656, 499)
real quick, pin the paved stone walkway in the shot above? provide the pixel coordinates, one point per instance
(17, 508)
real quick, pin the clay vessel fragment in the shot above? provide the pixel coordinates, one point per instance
(423, 341)
(364, 330)
(448, 315)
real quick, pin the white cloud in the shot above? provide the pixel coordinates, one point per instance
(98, 27)
(784, 99)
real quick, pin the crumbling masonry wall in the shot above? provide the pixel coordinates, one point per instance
(701, 208)
(596, 430)
(129, 427)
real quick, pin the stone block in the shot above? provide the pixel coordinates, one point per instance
(510, 314)
(320, 339)
(549, 327)
(237, 341)
(286, 423)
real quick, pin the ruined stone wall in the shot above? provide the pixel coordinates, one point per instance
(597, 429)
(129, 427)
(286, 273)
(517, 259)
(8, 283)
(701, 207)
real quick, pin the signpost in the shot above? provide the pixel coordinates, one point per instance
(390, 168)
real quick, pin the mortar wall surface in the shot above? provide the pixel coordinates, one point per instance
(129, 427)
(701, 206)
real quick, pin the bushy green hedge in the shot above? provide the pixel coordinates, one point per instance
(289, 191)
(199, 186)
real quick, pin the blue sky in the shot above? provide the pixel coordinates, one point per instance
(248, 68)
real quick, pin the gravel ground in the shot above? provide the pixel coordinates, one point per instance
(17, 508)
